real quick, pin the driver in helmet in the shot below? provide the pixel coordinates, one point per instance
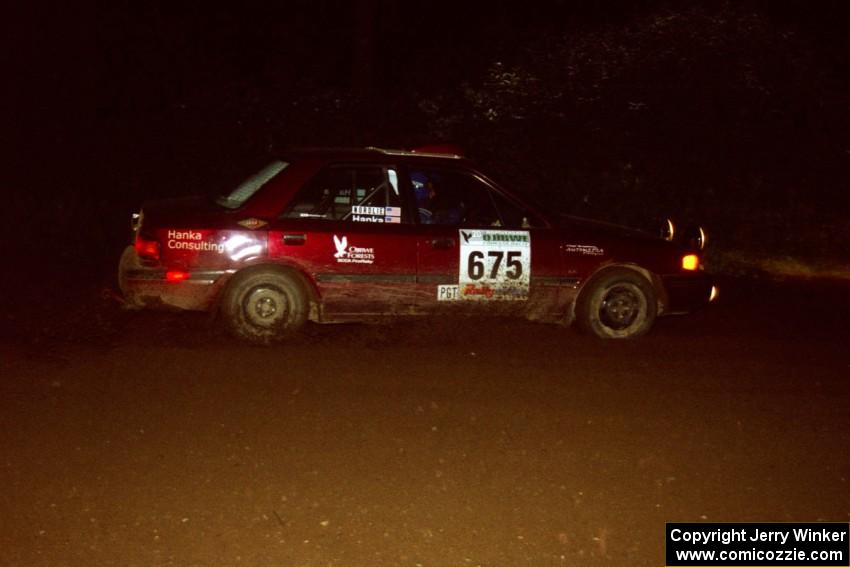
(434, 203)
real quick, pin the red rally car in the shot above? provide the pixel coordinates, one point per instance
(336, 235)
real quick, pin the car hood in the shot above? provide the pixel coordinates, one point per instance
(583, 226)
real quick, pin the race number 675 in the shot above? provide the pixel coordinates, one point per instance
(476, 267)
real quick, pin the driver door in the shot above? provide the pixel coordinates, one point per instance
(480, 251)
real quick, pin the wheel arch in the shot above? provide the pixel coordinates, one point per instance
(307, 283)
(653, 279)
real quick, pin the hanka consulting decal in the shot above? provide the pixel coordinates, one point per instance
(494, 265)
(350, 254)
(236, 245)
(191, 240)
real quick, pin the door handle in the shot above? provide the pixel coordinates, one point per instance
(443, 243)
(294, 239)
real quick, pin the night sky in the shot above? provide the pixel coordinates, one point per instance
(671, 107)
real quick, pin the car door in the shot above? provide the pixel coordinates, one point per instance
(347, 228)
(480, 251)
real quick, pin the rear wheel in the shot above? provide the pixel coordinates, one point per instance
(617, 304)
(265, 305)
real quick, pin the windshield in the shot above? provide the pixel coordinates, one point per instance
(247, 188)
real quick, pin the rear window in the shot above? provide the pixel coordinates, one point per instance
(247, 188)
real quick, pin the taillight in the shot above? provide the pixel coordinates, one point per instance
(176, 275)
(147, 249)
(690, 262)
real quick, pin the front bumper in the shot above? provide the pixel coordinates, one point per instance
(688, 292)
(144, 286)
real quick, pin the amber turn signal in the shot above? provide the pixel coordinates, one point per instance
(690, 262)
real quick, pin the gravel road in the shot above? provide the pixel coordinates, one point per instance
(158, 440)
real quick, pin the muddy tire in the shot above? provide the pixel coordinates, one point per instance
(264, 305)
(617, 304)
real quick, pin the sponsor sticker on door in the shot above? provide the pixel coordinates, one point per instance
(494, 265)
(350, 254)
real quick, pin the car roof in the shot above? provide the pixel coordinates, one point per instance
(371, 153)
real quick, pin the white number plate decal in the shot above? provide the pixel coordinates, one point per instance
(494, 264)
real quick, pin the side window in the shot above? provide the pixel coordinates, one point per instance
(513, 215)
(460, 199)
(350, 193)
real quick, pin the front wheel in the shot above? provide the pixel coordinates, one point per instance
(617, 304)
(265, 305)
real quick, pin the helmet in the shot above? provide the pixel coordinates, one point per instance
(419, 180)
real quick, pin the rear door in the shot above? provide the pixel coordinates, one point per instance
(349, 230)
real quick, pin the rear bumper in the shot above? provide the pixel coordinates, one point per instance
(688, 292)
(144, 286)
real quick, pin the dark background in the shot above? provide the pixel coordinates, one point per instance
(732, 114)
(141, 437)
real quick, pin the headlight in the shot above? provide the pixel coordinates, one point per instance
(695, 238)
(702, 238)
(668, 230)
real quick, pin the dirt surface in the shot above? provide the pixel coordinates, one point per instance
(146, 439)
